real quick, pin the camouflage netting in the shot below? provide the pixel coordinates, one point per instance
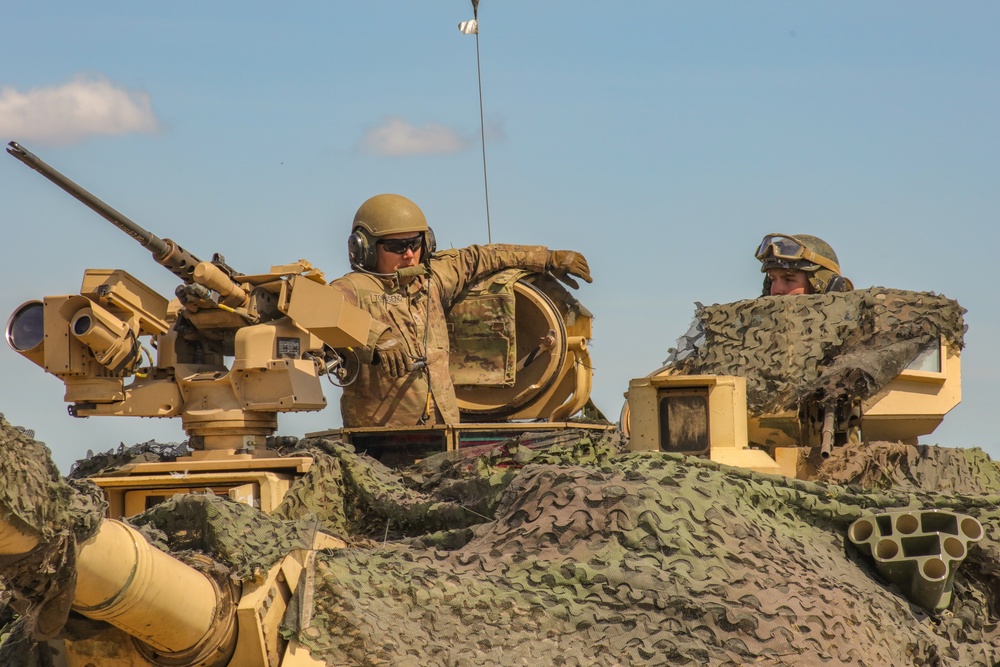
(37, 587)
(893, 465)
(654, 559)
(581, 555)
(838, 345)
(150, 451)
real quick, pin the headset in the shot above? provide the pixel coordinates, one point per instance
(363, 255)
(838, 283)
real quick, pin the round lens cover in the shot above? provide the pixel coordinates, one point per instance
(25, 329)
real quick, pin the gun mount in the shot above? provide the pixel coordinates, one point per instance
(121, 349)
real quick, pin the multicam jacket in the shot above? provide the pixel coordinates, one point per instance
(376, 399)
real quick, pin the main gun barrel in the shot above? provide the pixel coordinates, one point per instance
(179, 261)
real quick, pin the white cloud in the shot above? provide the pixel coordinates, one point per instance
(397, 136)
(65, 114)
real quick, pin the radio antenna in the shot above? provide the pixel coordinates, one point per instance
(472, 28)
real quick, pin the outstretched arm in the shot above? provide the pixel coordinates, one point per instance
(458, 268)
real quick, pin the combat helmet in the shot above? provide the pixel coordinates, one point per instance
(380, 216)
(805, 253)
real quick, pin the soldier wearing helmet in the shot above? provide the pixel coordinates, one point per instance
(799, 264)
(407, 287)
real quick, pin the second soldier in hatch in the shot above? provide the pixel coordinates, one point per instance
(799, 264)
(407, 287)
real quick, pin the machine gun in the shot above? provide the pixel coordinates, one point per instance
(122, 349)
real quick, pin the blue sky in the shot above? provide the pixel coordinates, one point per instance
(662, 140)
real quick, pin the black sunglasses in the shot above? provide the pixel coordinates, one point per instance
(399, 246)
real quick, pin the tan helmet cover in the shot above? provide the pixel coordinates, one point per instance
(386, 214)
(821, 248)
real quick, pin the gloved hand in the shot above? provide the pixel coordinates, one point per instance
(564, 263)
(392, 355)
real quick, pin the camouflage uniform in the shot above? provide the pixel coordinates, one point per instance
(375, 398)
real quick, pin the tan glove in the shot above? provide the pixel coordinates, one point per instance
(564, 263)
(392, 355)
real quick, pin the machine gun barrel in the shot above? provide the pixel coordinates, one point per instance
(179, 261)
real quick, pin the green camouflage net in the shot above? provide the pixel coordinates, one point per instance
(893, 465)
(838, 345)
(354, 499)
(242, 538)
(60, 513)
(149, 451)
(578, 554)
(652, 559)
